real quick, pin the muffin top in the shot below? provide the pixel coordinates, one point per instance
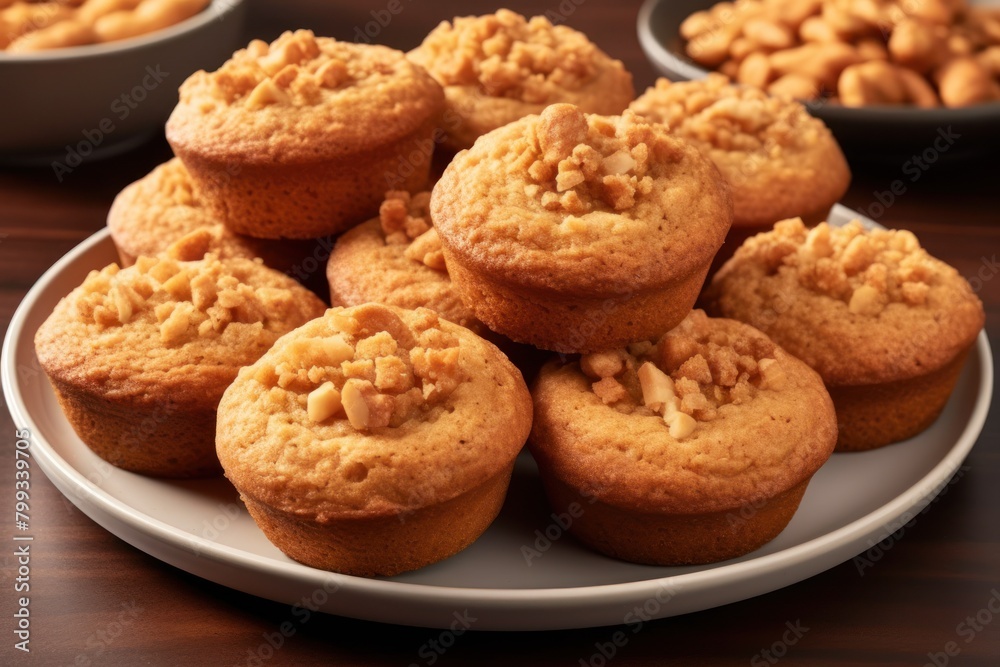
(372, 410)
(506, 55)
(303, 98)
(396, 259)
(163, 326)
(860, 306)
(779, 160)
(500, 67)
(710, 417)
(571, 201)
(161, 207)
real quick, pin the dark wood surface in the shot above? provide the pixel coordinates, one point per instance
(96, 600)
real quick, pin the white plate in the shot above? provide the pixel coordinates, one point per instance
(854, 501)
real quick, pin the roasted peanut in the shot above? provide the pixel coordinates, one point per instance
(990, 59)
(821, 62)
(918, 91)
(795, 86)
(149, 16)
(58, 35)
(932, 11)
(755, 70)
(92, 10)
(965, 81)
(917, 45)
(769, 35)
(875, 82)
(815, 29)
(871, 49)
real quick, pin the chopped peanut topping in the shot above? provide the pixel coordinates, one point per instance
(687, 376)
(297, 69)
(323, 402)
(406, 219)
(185, 299)
(376, 372)
(715, 114)
(584, 162)
(866, 269)
(510, 56)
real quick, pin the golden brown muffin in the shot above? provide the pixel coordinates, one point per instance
(300, 138)
(780, 161)
(374, 440)
(139, 357)
(161, 208)
(501, 67)
(396, 259)
(576, 232)
(886, 325)
(694, 449)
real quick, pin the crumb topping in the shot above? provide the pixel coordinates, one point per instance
(867, 269)
(375, 371)
(510, 56)
(728, 117)
(184, 300)
(577, 162)
(687, 376)
(405, 219)
(297, 69)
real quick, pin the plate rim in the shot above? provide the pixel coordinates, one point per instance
(55, 466)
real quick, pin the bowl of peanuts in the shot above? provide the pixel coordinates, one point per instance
(891, 78)
(90, 78)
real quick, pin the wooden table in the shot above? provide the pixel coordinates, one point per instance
(96, 600)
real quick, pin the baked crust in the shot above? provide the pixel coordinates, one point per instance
(140, 357)
(604, 220)
(743, 427)
(780, 162)
(413, 476)
(396, 259)
(500, 67)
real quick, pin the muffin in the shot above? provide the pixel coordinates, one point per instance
(162, 207)
(374, 440)
(780, 162)
(300, 138)
(693, 449)
(396, 259)
(576, 232)
(886, 325)
(501, 67)
(139, 357)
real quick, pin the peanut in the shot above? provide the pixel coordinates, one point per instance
(964, 81)
(57, 35)
(918, 91)
(917, 45)
(875, 82)
(795, 86)
(821, 62)
(755, 70)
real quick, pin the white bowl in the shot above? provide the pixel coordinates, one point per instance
(63, 106)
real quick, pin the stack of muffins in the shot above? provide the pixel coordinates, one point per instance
(379, 436)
